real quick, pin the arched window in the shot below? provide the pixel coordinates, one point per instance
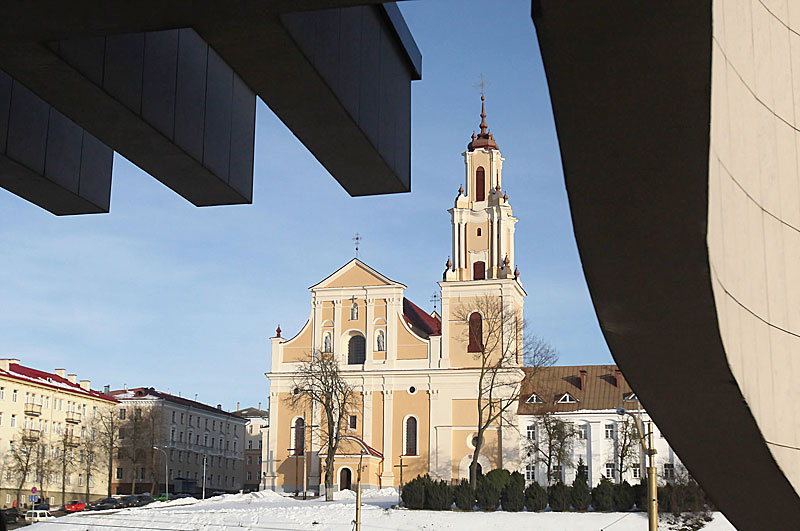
(475, 332)
(327, 343)
(354, 312)
(478, 271)
(380, 341)
(411, 436)
(479, 231)
(357, 350)
(299, 436)
(480, 184)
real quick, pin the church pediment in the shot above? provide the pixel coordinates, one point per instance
(354, 274)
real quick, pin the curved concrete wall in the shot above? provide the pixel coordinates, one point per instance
(754, 211)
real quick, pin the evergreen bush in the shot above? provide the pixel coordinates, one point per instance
(580, 495)
(498, 478)
(414, 492)
(513, 495)
(438, 496)
(518, 479)
(558, 497)
(535, 497)
(603, 495)
(487, 497)
(640, 495)
(623, 497)
(463, 496)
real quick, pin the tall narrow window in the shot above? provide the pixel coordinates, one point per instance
(478, 271)
(299, 436)
(357, 350)
(411, 436)
(475, 332)
(480, 184)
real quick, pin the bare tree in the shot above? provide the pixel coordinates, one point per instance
(65, 458)
(497, 339)
(626, 447)
(22, 456)
(90, 451)
(44, 466)
(108, 424)
(319, 381)
(154, 435)
(135, 445)
(553, 442)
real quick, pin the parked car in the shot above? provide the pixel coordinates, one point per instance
(129, 501)
(183, 495)
(144, 499)
(41, 507)
(163, 497)
(11, 515)
(75, 506)
(106, 503)
(34, 516)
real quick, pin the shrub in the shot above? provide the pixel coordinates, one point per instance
(517, 479)
(487, 496)
(498, 478)
(558, 497)
(513, 495)
(623, 497)
(535, 497)
(580, 495)
(603, 496)
(463, 496)
(640, 495)
(414, 492)
(438, 496)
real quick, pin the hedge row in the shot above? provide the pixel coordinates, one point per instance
(501, 487)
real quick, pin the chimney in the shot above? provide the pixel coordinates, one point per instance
(237, 406)
(85, 384)
(259, 406)
(125, 386)
(617, 377)
(61, 372)
(219, 406)
(106, 389)
(73, 378)
(583, 379)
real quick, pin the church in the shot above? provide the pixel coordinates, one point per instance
(415, 373)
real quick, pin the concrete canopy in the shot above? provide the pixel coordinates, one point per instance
(172, 85)
(631, 90)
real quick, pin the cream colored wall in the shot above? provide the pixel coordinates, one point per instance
(360, 323)
(285, 440)
(418, 405)
(475, 242)
(409, 345)
(356, 276)
(754, 210)
(299, 347)
(377, 422)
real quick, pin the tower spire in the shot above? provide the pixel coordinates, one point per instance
(483, 125)
(485, 139)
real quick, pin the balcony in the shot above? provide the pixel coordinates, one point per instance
(34, 410)
(73, 417)
(72, 441)
(30, 435)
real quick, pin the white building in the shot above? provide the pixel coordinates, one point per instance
(255, 441)
(587, 397)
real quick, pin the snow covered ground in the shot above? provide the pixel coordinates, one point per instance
(269, 511)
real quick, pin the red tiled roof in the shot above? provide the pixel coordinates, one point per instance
(414, 315)
(51, 380)
(604, 388)
(137, 393)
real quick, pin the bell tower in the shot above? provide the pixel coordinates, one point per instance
(482, 219)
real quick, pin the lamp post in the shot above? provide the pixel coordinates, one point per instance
(166, 471)
(357, 521)
(652, 491)
(205, 461)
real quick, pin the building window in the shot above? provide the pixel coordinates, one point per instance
(249, 445)
(2, 393)
(14, 396)
(557, 472)
(609, 431)
(479, 231)
(531, 432)
(583, 431)
(249, 460)
(534, 399)
(122, 414)
(119, 473)
(479, 270)
(610, 470)
(669, 471)
(137, 413)
(567, 399)
(530, 473)
(356, 350)
(380, 340)
(249, 475)
(480, 184)
(182, 418)
(327, 342)
(354, 311)
(353, 422)
(13, 421)
(411, 436)
(475, 332)
(299, 436)
(637, 472)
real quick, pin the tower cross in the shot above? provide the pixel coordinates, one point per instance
(435, 300)
(357, 238)
(482, 85)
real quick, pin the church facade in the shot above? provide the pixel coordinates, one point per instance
(415, 374)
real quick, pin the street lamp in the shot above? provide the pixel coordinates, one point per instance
(166, 471)
(650, 451)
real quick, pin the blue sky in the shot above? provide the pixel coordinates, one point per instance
(161, 293)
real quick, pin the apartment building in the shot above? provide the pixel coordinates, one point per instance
(255, 432)
(197, 441)
(54, 417)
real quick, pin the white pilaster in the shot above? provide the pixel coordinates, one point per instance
(367, 417)
(338, 349)
(369, 332)
(387, 478)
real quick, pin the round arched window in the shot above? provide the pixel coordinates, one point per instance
(357, 350)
